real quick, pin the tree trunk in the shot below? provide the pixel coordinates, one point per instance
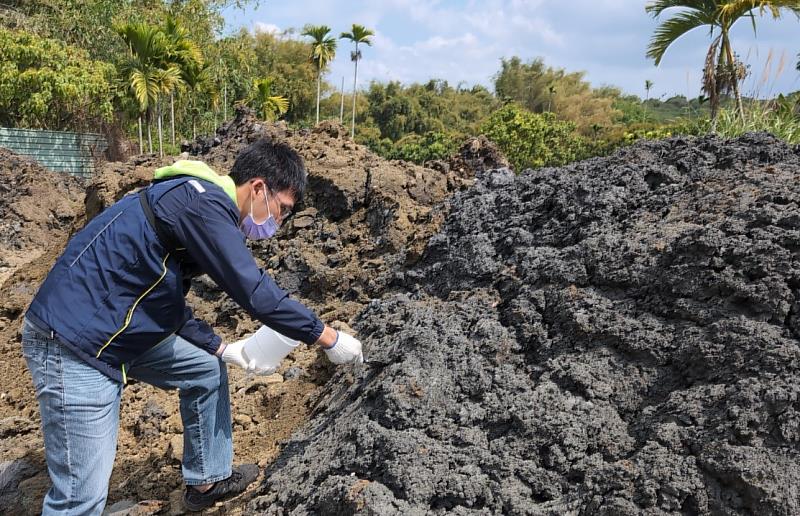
(224, 101)
(160, 132)
(715, 98)
(141, 141)
(149, 120)
(341, 108)
(355, 83)
(319, 80)
(726, 43)
(172, 116)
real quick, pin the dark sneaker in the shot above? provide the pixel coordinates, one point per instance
(241, 477)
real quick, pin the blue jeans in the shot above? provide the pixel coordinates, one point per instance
(80, 414)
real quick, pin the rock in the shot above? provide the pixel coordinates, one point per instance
(30, 493)
(176, 447)
(302, 222)
(116, 508)
(242, 420)
(293, 372)
(148, 425)
(131, 508)
(15, 425)
(176, 506)
(174, 424)
(12, 473)
(251, 383)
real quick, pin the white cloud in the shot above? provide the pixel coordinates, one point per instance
(269, 28)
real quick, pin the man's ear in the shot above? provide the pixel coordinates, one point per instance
(258, 186)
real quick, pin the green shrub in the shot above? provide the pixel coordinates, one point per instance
(419, 149)
(45, 84)
(778, 117)
(532, 140)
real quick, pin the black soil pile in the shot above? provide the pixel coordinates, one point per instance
(618, 336)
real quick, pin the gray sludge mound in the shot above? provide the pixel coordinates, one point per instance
(618, 336)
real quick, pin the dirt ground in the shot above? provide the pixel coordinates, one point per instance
(363, 219)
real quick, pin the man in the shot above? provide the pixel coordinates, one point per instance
(112, 307)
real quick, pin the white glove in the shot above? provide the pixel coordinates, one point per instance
(345, 350)
(233, 355)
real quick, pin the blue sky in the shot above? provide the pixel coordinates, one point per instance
(463, 41)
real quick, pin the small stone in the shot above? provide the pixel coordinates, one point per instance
(176, 447)
(303, 222)
(174, 424)
(243, 420)
(292, 373)
(119, 508)
(176, 506)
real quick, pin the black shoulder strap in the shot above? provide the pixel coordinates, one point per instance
(151, 218)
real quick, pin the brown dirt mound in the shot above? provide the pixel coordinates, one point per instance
(37, 206)
(363, 218)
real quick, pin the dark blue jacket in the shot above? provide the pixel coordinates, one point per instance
(117, 290)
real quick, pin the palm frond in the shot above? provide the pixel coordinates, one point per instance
(323, 46)
(673, 28)
(358, 34)
(657, 7)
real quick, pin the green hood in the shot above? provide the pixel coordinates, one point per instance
(199, 170)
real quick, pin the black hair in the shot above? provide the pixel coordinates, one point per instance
(279, 165)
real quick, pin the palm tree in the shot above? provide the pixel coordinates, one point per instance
(551, 89)
(723, 71)
(181, 52)
(648, 85)
(323, 50)
(268, 104)
(144, 70)
(197, 79)
(358, 34)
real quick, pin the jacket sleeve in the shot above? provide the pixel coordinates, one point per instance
(198, 332)
(208, 229)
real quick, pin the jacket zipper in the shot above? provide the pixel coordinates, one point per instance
(129, 315)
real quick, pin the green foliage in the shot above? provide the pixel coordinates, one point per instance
(323, 46)
(359, 35)
(323, 50)
(88, 24)
(632, 110)
(778, 117)
(46, 84)
(148, 71)
(270, 106)
(430, 146)
(436, 106)
(285, 60)
(532, 140)
(722, 71)
(540, 89)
